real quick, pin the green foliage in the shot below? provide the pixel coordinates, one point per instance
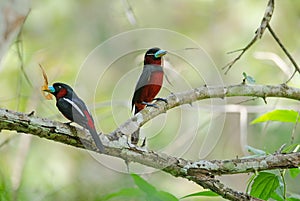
(294, 172)
(143, 184)
(278, 115)
(264, 184)
(5, 188)
(277, 195)
(151, 194)
(148, 192)
(126, 192)
(291, 148)
(202, 193)
(268, 185)
(144, 191)
(293, 199)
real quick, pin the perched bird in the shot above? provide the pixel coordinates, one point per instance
(74, 109)
(149, 83)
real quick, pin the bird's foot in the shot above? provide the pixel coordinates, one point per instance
(68, 123)
(31, 113)
(149, 104)
(130, 145)
(161, 99)
(143, 143)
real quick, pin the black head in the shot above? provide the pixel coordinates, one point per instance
(154, 56)
(60, 90)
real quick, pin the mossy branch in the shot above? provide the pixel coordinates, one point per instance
(202, 172)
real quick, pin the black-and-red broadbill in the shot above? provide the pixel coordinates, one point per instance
(149, 83)
(74, 109)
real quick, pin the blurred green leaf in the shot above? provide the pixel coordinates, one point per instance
(278, 115)
(264, 185)
(162, 196)
(5, 188)
(143, 184)
(255, 150)
(151, 193)
(202, 193)
(248, 78)
(277, 196)
(249, 182)
(291, 148)
(294, 172)
(293, 199)
(126, 192)
(145, 191)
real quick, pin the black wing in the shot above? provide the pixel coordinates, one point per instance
(73, 109)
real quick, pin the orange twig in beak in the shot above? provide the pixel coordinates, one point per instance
(44, 88)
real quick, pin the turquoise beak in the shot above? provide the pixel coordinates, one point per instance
(51, 89)
(160, 53)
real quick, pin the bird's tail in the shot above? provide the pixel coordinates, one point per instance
(136, 135)
(97, 140)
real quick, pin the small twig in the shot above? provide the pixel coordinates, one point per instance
(248, 100)
(129, 12)
(7, 140)
(284, 49)
(265, 100)
(295, 71)
(258, 34)
(282, 173)
(230, 64)
(19, 45)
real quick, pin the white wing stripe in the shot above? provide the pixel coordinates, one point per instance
(74, 105)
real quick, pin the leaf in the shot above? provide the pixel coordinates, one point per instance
(255, 150)
(145, 191)
(202, 193)
(293, 199)
(151, 193)
(291, 148)
(126, 192)
(162, 196)
(264, 185)
(248, 78)
(278, 115)
(294, 172)
(249, 182)
(144, 185)
(277, 196)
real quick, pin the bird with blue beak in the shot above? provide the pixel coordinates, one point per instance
(74, 109)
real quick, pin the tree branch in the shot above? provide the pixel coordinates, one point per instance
(71, 135)
(187, 97)
(202, 172)
(245, 165)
